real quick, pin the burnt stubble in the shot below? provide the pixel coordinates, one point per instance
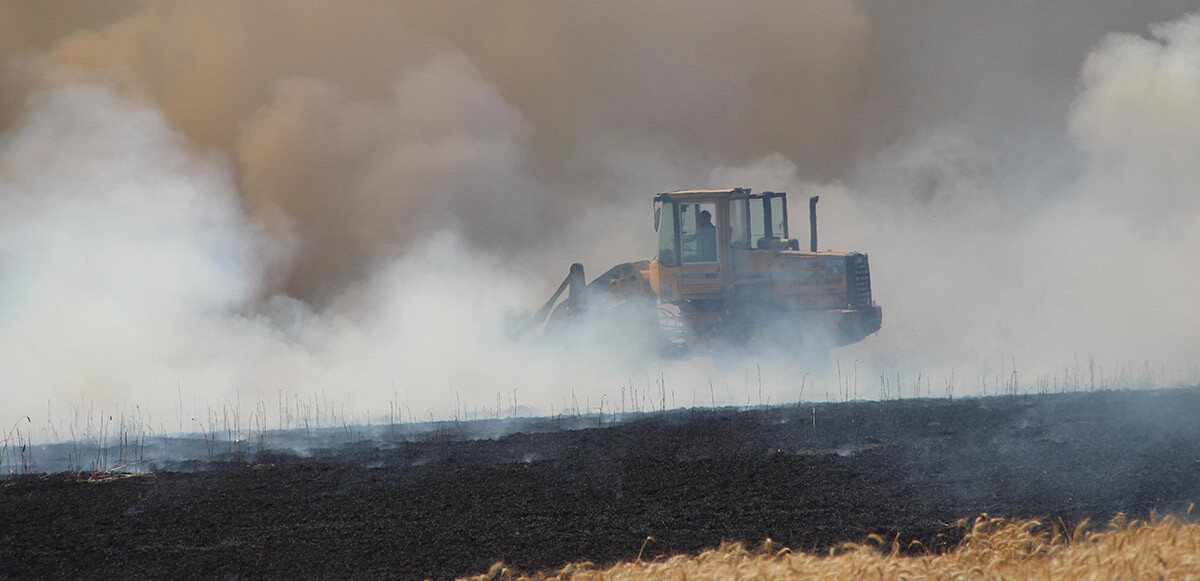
(443, 505)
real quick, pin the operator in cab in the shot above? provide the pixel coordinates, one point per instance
(706, 237)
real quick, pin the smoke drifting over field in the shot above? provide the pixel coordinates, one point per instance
(207, 202)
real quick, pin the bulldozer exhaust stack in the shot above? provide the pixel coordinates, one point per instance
(812, 223)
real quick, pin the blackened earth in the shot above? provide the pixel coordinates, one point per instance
(809, 477)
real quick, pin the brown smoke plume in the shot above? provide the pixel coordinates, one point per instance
(366, 125)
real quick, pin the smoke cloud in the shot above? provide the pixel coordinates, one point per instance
(228, 201)
(125, 254)
(357, 181)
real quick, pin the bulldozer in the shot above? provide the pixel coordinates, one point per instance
(727, 277)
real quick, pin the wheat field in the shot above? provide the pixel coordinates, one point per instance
(993, 548)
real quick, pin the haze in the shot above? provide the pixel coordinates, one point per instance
(206, 203)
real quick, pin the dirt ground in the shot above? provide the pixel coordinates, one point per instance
(438, 505)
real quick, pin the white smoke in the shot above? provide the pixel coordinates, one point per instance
(133, 285)
(133, 277)
(123, 253)
(983, 268)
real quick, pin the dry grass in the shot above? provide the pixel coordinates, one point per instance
(994, 548)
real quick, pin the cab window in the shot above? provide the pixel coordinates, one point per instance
(758, 222)
(698, 232)
(668, 254)
(739, 223)
(779, 227)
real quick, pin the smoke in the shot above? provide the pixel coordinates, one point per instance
(989, 261)
(229, 201)
(123, 252)
(358, 180)
(353, 94)
(1048, 267)
(133, 276)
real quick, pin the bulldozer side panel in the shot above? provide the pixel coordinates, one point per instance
(700, 281)
(798, 280)
(687, 282)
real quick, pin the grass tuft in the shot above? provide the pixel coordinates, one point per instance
(994, 548)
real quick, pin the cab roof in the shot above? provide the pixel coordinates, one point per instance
(708, 194)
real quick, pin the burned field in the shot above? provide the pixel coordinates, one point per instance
(445, 504)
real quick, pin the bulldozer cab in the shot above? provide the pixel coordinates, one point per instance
(698, 231)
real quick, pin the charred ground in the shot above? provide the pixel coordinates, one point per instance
(442, 504)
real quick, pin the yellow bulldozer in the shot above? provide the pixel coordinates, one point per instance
(727, 277)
